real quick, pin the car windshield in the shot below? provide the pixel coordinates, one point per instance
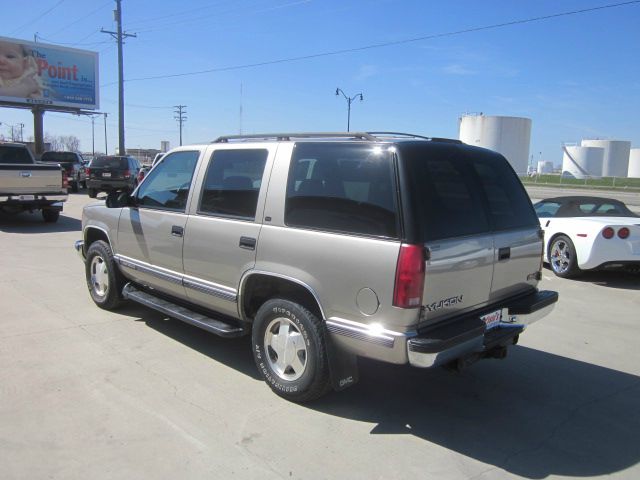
(110, 162)
(14, 155)
(59, 157)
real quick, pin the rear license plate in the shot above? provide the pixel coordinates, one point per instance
(492, 320)
(26, 197)
(106, 175)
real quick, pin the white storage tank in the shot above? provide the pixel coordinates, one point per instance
(616, 156)
(582, 162)
(509, 136)
(544, 167)
(634, 163)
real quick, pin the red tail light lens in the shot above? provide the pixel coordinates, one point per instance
(409, 277)
(87, 171)
(623, 232)
(608, 233)
(127, 174)
(65, 179)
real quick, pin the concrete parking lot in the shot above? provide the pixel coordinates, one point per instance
(90, 394)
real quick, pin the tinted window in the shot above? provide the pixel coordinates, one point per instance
(15, 155)
(167, 185)
(509, 204)
(232, 183)
(342, 188)
(444, 192)
(59, 157)
(110, 162)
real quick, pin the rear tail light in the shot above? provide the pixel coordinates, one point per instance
(623, 232)
(87, 171)
(65, 179)
(410, 274)
(127, 174)
(608, 233)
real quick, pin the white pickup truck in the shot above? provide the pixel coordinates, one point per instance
(27, 186)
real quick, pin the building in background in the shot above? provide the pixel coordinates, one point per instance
(615, 162)
(634, 163)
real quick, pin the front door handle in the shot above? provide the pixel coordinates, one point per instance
(248, 243)
(504, 253)
(177, 230)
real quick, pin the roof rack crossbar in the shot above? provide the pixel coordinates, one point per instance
(289, 136)
(411, 135)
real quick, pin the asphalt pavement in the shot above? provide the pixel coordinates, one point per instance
(90, 394)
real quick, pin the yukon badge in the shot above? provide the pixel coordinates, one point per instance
(444, 303)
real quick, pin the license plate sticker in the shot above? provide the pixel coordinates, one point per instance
(107, 174)
(492, 320)
(27, 197)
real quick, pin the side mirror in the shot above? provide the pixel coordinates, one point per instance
(119, 199)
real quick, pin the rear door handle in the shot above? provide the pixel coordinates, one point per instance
(248, 243)
(177, 231)
(504, 253)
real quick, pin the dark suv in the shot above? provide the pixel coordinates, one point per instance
(72, 163)
(109, 173)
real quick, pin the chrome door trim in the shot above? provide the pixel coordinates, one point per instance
(210, 288)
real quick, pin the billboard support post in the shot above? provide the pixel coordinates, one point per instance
(38, 129)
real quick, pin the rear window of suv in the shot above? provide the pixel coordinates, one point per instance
(458, 191)
(347, 188)
(111, 162)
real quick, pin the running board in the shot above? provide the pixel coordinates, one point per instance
(213, 325)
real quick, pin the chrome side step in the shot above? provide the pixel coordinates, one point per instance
(213, 325)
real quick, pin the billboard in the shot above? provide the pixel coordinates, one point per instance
(49, 75)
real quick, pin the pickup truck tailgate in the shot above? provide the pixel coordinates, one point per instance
(29, 179)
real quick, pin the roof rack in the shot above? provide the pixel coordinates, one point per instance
(411, 135)
(289, 136)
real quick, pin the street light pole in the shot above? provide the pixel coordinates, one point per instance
(106, 151)
(349, 100)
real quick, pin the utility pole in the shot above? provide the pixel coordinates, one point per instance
(349, 100)
(180, 117)
(21, 136)
(93, 136)
(119, 35)
(106, 151)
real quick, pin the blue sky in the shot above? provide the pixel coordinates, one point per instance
(575, 76)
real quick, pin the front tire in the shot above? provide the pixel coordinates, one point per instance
(562, 257)
(104, 280)
(290, 351)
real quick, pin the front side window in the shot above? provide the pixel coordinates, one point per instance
(232, 183)
(342, 188)
(167, 186)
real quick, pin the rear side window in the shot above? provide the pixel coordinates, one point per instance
(232, 183)
(342, 188)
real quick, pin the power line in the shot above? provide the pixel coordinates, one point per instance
(386, 44)
(37, 18)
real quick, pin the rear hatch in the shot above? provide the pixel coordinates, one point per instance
(472, 214)
(20, 176)
(109, 168)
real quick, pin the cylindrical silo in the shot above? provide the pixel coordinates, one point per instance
(634, 163)
(545, 166)
(509, 136)
(582, 162)
(616, 156)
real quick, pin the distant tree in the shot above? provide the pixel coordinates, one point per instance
(70, 143)
(53, 141)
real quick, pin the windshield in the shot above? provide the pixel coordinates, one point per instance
(59, 157)
(14, 155)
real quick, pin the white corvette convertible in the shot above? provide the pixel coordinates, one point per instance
(586, 233)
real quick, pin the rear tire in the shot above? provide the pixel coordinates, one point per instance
(562, 257)
(104, 279)
(50, 215)
(92, 192)
(290, 351)
(74, 187)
